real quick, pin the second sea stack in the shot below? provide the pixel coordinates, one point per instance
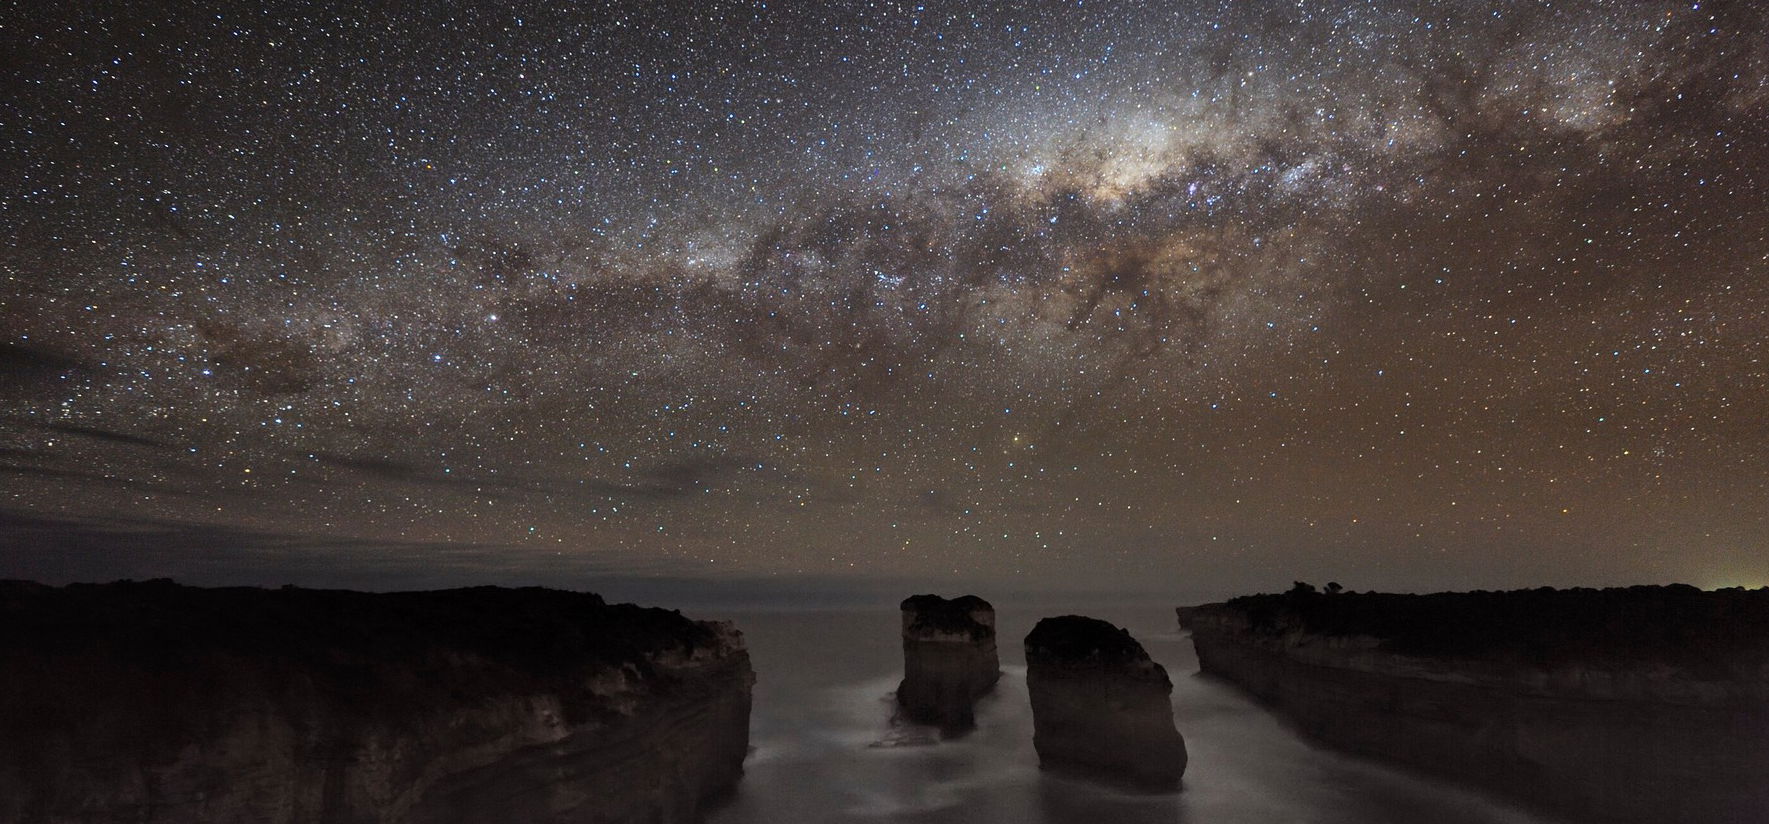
(1100, 705)
(949, 659)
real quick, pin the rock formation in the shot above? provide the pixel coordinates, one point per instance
(1645, 704)
(1185, 614)
(949, 659)
(1100, 705)
(153, 702)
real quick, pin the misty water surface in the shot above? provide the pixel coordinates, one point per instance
(825, 749)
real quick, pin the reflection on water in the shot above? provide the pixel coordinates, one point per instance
(825, 749)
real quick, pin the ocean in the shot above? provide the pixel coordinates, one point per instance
(825, 748)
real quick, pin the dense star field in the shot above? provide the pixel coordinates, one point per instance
(1084, 295)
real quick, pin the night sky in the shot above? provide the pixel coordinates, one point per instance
(1092, 296)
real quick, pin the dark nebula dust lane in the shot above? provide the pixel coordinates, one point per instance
(1100, 295)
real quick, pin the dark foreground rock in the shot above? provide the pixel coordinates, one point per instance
(949, 659)
(1100, 705)
(152, 702)
(1645, 704)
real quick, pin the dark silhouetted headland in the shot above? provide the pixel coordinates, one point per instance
(1644, 704)
(158, 702)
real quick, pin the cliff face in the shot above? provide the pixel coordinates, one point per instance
(1185, 614)
(1642, 705)
(949, 659)
(151, 702)
(1100, 705)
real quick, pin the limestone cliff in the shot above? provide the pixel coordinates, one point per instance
(152, 702)
(1647, 704)
(1185, 614)
(1100, 705)
(949, 659)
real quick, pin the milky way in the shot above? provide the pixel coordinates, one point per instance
(1051, 296)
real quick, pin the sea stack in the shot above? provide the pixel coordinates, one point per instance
(134, 702)
(1100, 705)
(949, 659)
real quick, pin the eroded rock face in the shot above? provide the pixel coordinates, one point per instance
(1645, 704)
(949, 659)
(1100, 705)
(1186, 614)
(152, 702)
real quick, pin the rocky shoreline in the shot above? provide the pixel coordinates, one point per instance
(1646, 704)
(153, 702)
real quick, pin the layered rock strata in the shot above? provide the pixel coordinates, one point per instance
(1100, 705)
(152, 702)
(1646, 704)
(949, 660)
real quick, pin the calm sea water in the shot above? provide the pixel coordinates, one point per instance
(825, 749)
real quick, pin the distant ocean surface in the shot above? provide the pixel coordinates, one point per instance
(825, 749)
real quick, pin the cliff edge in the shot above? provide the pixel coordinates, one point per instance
(154, 702)
(1643, 704)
